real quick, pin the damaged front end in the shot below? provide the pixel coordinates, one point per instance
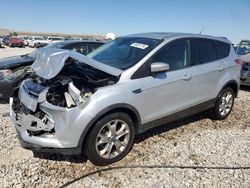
(49, 109)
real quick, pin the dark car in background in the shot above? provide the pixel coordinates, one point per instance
(6, 40)
(16, 42)
(14, 69)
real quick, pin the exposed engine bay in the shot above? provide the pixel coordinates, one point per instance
(75, 83)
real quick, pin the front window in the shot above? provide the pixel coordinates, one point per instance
(176, 54)
(124, 52)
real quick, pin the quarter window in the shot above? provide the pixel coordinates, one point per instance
(176, 54)
(206, 51)
(222, 49)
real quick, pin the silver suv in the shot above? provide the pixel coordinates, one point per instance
(96, 104)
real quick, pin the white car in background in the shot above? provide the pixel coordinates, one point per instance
(54, 39)
(37, 41)
(24, 39)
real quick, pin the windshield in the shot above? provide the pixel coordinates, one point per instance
(124, 52)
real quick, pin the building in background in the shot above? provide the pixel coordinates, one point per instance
(4, 32)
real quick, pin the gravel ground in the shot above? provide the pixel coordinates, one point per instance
(6, 51)
(194, 152)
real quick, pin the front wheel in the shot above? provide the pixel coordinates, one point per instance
(110, 139)
(224, 104)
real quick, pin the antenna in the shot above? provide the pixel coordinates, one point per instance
(202, 29)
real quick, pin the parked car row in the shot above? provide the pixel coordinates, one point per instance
(32, 41)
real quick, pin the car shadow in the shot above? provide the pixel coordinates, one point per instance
(2, 47)
(139, 138)
(245, 88)
(81, 158)
(170, 126)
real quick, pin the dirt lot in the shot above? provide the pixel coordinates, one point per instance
(194, 152)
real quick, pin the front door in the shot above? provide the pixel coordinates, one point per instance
(169, 92)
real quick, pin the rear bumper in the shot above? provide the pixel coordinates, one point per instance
(16, 44)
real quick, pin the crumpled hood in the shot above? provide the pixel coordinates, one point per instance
(49, 62)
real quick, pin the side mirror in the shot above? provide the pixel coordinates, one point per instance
(159, 67)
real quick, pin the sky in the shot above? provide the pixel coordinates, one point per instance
(228, 18)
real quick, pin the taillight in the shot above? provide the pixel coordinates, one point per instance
(238, 61)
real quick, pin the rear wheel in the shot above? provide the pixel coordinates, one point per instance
(224, 104)
(110, 139)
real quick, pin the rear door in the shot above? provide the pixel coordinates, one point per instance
(209, 68)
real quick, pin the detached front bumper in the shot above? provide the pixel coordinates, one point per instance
(59, 128)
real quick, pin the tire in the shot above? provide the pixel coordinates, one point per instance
(105, 152)
(224, 104)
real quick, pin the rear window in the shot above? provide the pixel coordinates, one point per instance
(222, 49)
(206, 51)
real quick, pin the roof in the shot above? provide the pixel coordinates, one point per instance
(164, 35)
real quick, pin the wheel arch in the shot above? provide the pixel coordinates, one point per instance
(126, 108)
(232, 84)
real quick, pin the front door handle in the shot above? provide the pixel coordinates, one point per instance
(187, 77)
(220, 68)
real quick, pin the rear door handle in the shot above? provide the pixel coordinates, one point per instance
(220, 68)
(187, 77)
